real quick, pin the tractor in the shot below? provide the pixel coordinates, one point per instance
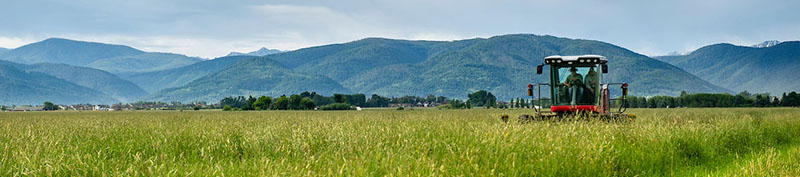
(576, 91)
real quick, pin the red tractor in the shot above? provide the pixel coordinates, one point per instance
(576, 91)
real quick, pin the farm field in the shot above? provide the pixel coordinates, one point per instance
(661, 142)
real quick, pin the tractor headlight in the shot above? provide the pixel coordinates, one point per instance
(558, 61)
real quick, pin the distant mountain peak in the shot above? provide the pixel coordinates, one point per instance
(676, 53)
(766, 44)
(71, 41)
(260, 52)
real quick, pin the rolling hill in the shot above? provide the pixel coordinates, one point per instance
(768, 69)
(145, 62)
(105, 82)
(249, 76)
(361, 56)
(503, 65)
(112, 58)
(34, 88)
(157, 80)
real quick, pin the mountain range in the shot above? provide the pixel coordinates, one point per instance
(503, 65)
(157, 80)
(120, 89)
(116, 59)
(33, 88)
(67, 71)
(765, 69)
(249, 76)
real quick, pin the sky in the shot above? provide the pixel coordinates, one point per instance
(212, 28)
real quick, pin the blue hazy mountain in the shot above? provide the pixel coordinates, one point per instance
(108, 57)
(503, 65)
(157, 80)
(755, 69)
(105, 82)
(249, 76)
(145, 62)
(3, 50)
(34, 88)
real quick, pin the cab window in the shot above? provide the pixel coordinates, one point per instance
(561, 91)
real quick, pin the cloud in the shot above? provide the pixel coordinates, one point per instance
(13, 42)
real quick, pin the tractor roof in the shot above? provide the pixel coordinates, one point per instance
(557, 59)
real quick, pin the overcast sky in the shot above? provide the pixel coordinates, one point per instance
(212, 28)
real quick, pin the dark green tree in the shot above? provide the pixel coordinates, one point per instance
(377, 101)
(321, 100)
(339, 98)
(356, 99)
(263, 103)
(294, 102)
(441, 99)
(745, 94)
(48, 106)
(794, 99)
(306, 94)
(234, 102)
(481, 97)
(249, 104)
(307, 104)
(430, 99)
(281, 103)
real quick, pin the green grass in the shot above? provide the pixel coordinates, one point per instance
(420, 142)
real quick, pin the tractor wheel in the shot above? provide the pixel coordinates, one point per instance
(525, 118)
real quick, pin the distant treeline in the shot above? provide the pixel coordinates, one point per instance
(310, 100)
(698, 100)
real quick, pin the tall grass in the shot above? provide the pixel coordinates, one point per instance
(680, 142)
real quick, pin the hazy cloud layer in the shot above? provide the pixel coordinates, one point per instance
(209, 28)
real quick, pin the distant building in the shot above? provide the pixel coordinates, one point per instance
(400, 105)
(101, 107)
(27, 108)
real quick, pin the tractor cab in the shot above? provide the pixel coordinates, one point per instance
(575, 82)
(576, 90)
(576, 86)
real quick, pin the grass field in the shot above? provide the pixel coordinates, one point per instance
(662, 142)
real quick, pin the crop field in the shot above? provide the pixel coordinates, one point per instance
(420, 142)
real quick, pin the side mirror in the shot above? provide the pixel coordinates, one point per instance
(624, 89)
(605, 68)
(539, 69)
(530, 90)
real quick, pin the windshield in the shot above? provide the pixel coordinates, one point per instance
(563, 72)
(578, 88)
